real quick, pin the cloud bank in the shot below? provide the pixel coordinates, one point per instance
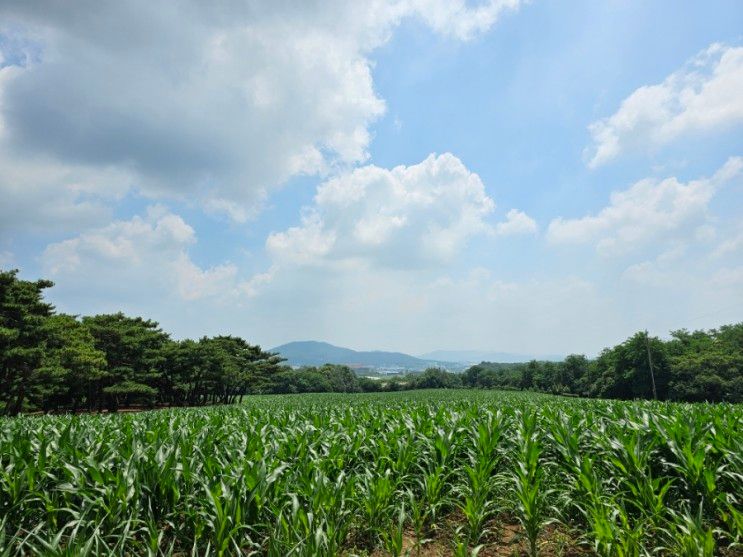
(216, 104)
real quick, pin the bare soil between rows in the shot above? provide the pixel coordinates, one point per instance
(503, 536)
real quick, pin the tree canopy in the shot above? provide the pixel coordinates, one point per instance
(51, 361)
(691, 366)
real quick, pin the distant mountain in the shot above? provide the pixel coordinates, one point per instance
(313, 353)
(477, 356)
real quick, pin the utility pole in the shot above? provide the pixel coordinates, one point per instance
(650, 364)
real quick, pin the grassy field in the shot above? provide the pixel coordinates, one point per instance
(428, 472)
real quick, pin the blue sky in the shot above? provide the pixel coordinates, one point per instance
(534, 177)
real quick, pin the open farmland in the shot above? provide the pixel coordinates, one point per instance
(430, 473)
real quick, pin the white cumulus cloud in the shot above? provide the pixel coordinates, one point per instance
(649, 210)
(408, 216)
(517, 222)
(704, 95)
(144, 254)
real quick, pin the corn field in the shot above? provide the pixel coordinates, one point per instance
(425, 473)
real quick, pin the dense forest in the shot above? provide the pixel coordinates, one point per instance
(56, 362)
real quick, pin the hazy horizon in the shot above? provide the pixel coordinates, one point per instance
(506, 176)
(423, 356)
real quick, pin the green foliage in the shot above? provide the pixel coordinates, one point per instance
(134, 351)
(343, 474)
(23, 340)
(707, 365)
(436, 378)
(73, 365)
(332, 378)
(693, 367)
(325, 379)
(528, 480)
(52, 362)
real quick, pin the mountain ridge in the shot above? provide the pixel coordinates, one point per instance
(316, 353)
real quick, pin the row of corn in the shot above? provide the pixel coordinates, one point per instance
(358, 474)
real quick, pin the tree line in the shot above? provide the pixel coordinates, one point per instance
(51, 361)
(691, 366)
(696, 366)
(334, 378)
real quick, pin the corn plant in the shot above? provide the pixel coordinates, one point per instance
(417, 517)
(376, 501)
(334, 474)
(528, 476)
(477, 502)
(461, 546)
(691, 537)
(393, 536)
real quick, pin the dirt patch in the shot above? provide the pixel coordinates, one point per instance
(429, 548)
(503, 537)
(506, 537)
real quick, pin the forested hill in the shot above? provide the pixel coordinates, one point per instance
(313, 353)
